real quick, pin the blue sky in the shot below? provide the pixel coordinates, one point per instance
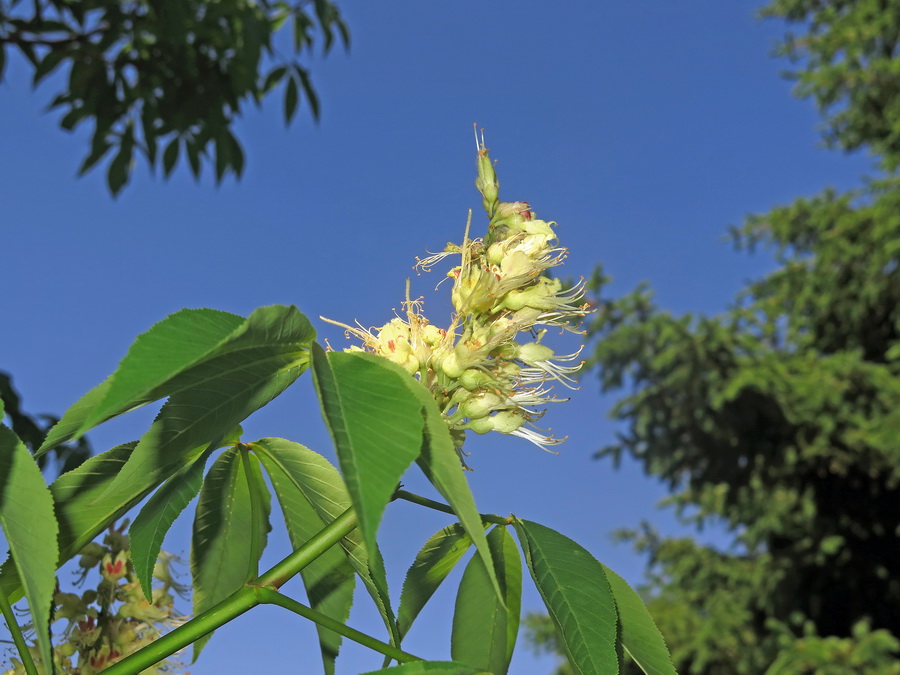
(643, 128)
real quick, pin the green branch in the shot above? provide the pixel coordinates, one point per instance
(272, 597)
(18, 638)
(237, 603)
(438, 506)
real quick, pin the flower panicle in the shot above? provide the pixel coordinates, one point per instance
(482, 378)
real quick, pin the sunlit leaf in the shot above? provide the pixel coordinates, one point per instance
(577, 595)
(484, 630)
(376, 426)
(258, 361)
(29, 525)
(169, 348)
(227, 534)
(156, 517)
(330, 578)
(641, 639)
(325, 490)
(434, 561)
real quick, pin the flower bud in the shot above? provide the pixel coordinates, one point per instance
(482, 425)
(487, 183)
(480, 405)
(474, 378)
(507, 421)
(533, 352)
(91, 554)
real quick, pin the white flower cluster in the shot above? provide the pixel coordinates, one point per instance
(482, 378)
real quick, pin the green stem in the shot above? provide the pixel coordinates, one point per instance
(16, 632)
(269, 596)
(237, 603)
(437, 506)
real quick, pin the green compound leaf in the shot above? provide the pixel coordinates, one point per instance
(229, 533)
(484, 628)
(577, 595)
(376, 426)
(156, 517)
(433, 563)
(641, 639)
(28, 522)
(419, 667)
(323, 486)
(294, 471)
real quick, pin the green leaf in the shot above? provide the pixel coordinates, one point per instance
(149, 116)
(440, 462)
(434, 561)
(484, 630)
(329, 580)
(291, 96)
(418, 667)
(223, 155)
(577, 595)
(310, 92)
(98, 151)
(274, 77)
(26, 516)
(48, 64)
(120, 167)
(193, 148)
(170, 156)
(376, 426)
(156, 517)
(227, 537)
(66, 428)
(258, 361)
(640, 637)
(169, 348)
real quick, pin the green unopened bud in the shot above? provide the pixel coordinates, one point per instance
(487, 183)
(480, 406)
(91, 554)
(533, 352)
(446, 363)
(507, 421)
(542, 295)
(474, 378)
(482, 425)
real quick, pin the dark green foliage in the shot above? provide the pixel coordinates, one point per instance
(32, 430)
(156, 74)
(781, 420)
(846, 58)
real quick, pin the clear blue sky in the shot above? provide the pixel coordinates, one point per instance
(643, 128)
